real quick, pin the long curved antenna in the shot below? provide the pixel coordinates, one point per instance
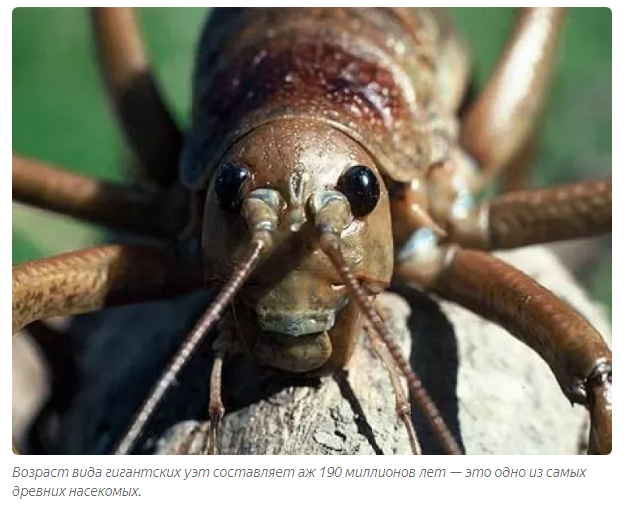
(330, 244)
(193, 340)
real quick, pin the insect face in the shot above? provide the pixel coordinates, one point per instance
(294, 166)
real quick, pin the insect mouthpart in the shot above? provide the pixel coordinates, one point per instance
(296, 354)
(297, 323)
(329, 213)
(261, 216)
(296, 220)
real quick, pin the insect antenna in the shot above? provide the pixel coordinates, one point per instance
(262, 220)
(329, 241)
(212, 314)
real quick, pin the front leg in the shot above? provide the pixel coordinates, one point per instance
(216, 410)
(576, 353)
(210, 433)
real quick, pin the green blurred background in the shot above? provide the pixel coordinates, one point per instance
(60, 114)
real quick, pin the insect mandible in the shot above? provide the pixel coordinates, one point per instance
(326, 139)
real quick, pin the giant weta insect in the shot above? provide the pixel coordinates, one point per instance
(325, 158)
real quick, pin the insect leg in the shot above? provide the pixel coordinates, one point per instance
(92, 279)
(215, 406)
(537, 216)
(216, 410)
(143, 116)
(518, 169)
(501, 121)
(153, 213)
(260, 242)
(576, 353)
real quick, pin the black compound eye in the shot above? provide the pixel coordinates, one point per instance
(228, 184)
(362, 189)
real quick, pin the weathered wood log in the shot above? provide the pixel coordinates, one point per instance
(496, 395)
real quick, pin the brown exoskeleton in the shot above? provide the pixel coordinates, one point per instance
(326, 157)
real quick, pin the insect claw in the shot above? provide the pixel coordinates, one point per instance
(599, 385)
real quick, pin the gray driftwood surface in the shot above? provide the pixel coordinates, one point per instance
(496, 395)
